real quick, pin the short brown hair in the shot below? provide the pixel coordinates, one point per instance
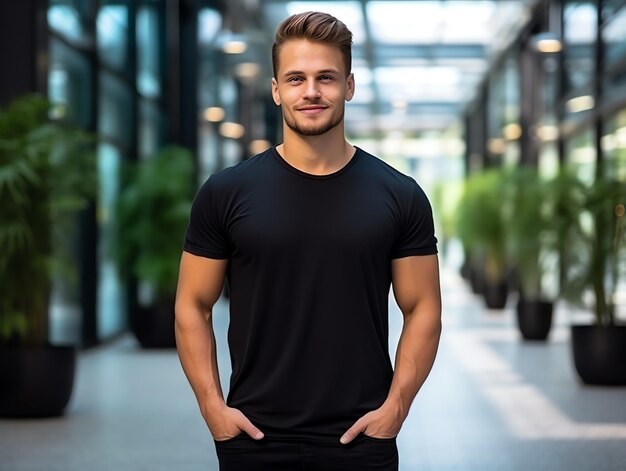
(314, 26)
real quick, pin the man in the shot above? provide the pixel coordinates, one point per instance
(310, 234)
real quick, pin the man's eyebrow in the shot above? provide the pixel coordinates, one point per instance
(300, 72)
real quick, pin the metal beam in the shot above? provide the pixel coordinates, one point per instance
(393, 52)
(265, 2)
(368, 54)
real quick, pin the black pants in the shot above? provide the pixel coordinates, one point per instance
(242, 453)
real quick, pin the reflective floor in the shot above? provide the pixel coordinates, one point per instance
(492, 402)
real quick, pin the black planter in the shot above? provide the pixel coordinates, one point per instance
(466, 269)
(495, 294)
(36, 382)
(600, 354)
(534, 318)
(477, 280)
(154, 325)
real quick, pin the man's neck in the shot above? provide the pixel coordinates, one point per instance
(316, 155)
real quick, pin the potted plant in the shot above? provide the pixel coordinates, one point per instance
(47, 173)
(467, 206)
(445, 199)
(532, 246)
(153, 211)
(481, 225)
(599, 349)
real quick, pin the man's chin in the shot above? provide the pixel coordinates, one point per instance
(311, 131)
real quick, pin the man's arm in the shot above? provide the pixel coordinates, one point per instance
(416, 289)
(200, 284)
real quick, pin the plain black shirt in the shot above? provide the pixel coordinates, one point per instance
(309, 274)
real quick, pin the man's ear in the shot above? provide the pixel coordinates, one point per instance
(350, 87)
(275, 95)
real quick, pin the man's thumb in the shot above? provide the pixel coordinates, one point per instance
(250, 429)
(352, 432)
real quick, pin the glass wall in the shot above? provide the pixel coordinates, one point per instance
(70, 90)
(150, 50)
(504, 112)
(579, 59)
(579, 37)
(211, 112)
(106, 73)
(613, 144)
(112, 34)
(68, 18)
(614, 43)
(115, 127)
(594, 88)
(233, 93)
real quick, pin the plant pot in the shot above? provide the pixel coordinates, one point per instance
(465, 270)
(534, 318)
(154, 325)
(600, 354)
(495, 293)
(476, 279)
(36, 382)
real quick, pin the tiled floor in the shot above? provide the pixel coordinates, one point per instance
(492, 402)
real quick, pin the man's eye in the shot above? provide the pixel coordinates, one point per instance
(294, 79)
(326, 78)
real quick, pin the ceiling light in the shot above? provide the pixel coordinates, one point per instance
(232, 130)
(214, 114)
(232, 43)
(234, 47)
(248, 70)
(580, 103)
(512, 132)
(547, 43)
(496, 146)
(547, 132)
(258, 145)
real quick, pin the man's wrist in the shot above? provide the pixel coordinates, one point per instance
(396, 405)
(212, 402)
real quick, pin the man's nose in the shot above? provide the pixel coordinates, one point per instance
(312, 89)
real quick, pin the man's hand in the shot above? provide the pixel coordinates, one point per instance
(228, 422)
(384, 422)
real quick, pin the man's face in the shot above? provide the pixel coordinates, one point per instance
(311, 86)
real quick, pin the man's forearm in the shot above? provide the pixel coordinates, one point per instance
(415, 356)
(197, 351)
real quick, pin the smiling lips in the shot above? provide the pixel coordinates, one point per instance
(312, 109)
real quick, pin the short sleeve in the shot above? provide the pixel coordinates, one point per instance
(206, 234)
(417, 231)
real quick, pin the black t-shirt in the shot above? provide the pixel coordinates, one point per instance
(309, 274)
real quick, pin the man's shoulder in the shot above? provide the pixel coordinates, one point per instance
(243, 169)
(383, 171)
(237, 174)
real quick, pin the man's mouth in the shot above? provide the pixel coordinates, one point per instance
(312, 109)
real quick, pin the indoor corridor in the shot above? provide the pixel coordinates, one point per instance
(492, 402)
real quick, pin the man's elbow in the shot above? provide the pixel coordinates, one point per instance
(189, 316)
(427, 315)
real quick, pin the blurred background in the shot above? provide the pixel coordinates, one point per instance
(511, 114)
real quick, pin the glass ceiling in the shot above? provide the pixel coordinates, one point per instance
(416, 63)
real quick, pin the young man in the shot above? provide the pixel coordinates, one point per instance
(310, 234)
